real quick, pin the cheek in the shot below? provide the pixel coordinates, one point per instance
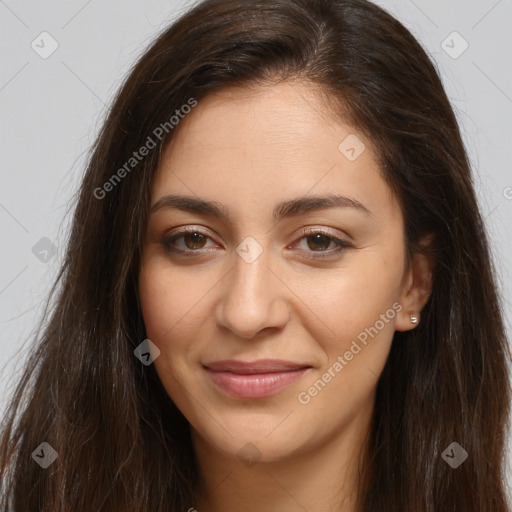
(353, 298)
(360, 307)
(154, 298)
(169, 299)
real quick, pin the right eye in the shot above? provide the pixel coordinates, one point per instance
(193, 240)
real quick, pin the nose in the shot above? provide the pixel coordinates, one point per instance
(253, 298)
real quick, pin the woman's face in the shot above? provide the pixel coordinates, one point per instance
(268, 273)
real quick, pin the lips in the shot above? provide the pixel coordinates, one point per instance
(261, 366)
(254, 379)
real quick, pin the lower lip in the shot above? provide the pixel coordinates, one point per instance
(254, 385)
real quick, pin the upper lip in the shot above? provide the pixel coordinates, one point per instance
(259, 366)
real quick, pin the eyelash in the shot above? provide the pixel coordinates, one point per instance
(342, 245)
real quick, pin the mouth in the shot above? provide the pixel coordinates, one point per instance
(256, 379)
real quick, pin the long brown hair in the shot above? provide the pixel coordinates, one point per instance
(121, 443)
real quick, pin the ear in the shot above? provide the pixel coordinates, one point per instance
(416, 288)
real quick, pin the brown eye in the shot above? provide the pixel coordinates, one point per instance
(318, 241)
(194, 240)
(318, 244)
(186, 241)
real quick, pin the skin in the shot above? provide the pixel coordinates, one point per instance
(250, 149)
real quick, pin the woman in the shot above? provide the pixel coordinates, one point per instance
(277, 292)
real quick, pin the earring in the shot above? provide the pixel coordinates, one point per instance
(414, 319)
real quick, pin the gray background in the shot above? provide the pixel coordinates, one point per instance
(52, 108)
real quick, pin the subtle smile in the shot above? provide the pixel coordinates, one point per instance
(254, 380)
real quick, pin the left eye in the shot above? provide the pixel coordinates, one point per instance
(319, 241)
(316, 242)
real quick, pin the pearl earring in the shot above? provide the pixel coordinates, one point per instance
(414, 319)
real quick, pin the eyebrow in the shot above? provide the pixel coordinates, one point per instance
(283, 210)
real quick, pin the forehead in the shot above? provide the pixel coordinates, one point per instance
(262, 145)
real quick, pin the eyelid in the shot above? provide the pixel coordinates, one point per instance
(192, 228)
(341, 244)
(189, 228)
(180, 231)
(313, 230)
